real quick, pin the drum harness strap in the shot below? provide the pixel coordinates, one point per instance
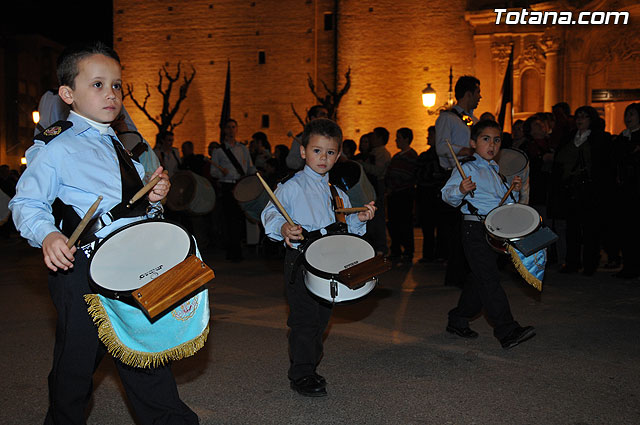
(131, 183)
(233, 159)
(336, 228)
(474, 216)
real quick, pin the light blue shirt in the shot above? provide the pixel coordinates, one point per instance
(76, 166)
(306, 197)
(489, 186)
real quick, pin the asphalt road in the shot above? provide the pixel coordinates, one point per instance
(388, 359)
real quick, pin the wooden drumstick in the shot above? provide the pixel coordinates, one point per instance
(277, 203)
(147, 187)
(351, 210)
(458, 166)
(83, 223)
(506, 195)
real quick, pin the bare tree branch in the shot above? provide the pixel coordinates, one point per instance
(165, 120)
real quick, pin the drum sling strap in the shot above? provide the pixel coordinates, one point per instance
(233, 159)
(131, 183)
(335, 228)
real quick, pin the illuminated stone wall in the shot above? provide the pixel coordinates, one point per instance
(386, 43)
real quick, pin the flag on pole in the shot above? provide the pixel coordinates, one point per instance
(506, 96)
(225, 114)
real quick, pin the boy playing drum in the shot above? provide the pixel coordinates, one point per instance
(78, 160)
(307, 199)
(482, 287)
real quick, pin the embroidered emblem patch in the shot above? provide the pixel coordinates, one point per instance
(186, 310)
(53, 131)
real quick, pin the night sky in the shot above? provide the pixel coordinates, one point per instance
(64, 22)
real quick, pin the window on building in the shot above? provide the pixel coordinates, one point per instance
(265, 121)
(328, 21)
(262, 57)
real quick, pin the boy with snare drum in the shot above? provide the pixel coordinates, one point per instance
(306, 197)
(77, 160)
(482, 287)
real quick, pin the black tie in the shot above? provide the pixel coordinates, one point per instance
(131, 182)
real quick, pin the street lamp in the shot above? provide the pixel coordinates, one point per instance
(429, 96)
(36, 117)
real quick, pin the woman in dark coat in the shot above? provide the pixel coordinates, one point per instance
(583, 172)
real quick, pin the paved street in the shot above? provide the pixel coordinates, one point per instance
(387, 359)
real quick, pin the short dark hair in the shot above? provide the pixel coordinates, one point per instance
(161, 136)
(633, 107)
(322, 127)
(595, 122)
(464, 84)
(313, 111)
(562, 106)
(406, 133)
(230, 120)
(481, 125)
(350, 145)
(67, 65)
(382, 133)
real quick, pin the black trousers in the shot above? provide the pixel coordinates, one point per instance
(400, 222)
(234, 222)
(308, 319)
(482, 289)
(77, 353)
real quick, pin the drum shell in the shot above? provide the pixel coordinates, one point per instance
(318, 281)
(251, 197)
(132, 253)
(192, 193)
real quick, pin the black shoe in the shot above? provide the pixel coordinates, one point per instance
(463, 332)
(517, 336)
(320, 379)
(309, 386)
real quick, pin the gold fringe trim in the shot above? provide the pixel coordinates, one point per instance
(133, 357)
(517, 262)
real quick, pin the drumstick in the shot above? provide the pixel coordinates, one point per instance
(76, 233)
(351, 210)
(276, 202)
(506, 195)
(458, 166)
(147, 187)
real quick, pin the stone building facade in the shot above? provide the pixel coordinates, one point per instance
(273, 46)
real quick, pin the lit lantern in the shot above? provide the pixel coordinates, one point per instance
(428, 96)
(23, 160)
(36, 117)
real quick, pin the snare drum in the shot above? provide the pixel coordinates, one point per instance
(509, 223)
(251, 197)
(135, 254)
(191, 192)
(325, 257)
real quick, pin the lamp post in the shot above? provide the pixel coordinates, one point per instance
(429, 96)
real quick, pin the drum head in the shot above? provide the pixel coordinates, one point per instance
(247, 189)
(183, 189)
(511, 161)
(136, 254)
(512, 221)
(331, 254)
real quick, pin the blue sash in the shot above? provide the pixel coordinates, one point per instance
(531, 268)
(134, 340)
